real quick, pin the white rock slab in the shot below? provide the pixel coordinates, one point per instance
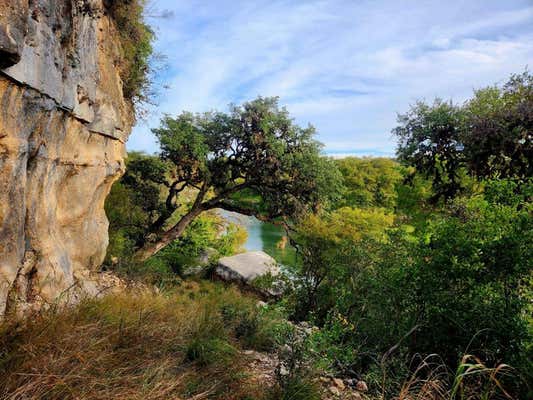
(246, 267)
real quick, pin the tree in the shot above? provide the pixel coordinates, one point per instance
(253, 160)
(429, 140)
(498, 133)
(369, 181)
(490, 136)
(328, 245)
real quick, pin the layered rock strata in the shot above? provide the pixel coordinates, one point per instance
(63, 127)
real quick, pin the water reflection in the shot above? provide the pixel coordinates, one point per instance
(263, 236)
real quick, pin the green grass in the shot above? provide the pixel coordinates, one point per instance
(296, 388)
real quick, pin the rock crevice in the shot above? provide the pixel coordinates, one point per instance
(63, 125)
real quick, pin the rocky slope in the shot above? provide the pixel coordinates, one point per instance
(63, 127)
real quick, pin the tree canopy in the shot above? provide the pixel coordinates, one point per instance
(253, 160)
(489, 136)
(369, 181)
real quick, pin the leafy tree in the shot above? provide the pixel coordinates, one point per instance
(369, 182)
(327, 244)
(135, 204)
(429, 140)
(253, 160)
(498, 131)
(490, 136)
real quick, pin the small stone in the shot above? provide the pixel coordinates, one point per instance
(351, 382)
(283, 371)
(361, 386)
(339, 383)
(334, 391)
(324, 379)
(285, 350)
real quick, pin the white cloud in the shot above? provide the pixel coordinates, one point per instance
(345, 66)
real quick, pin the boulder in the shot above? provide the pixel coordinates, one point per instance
(246, 267)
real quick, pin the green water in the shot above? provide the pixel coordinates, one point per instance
(263, 236)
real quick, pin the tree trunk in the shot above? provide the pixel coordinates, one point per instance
(151, 248)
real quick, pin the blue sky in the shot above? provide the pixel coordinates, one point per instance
(347, 67)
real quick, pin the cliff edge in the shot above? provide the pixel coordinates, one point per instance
(63, 126)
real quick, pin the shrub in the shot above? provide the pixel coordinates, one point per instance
(460, 286)
(136, 38)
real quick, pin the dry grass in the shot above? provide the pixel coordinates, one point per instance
(128, 346)
(471, 381)
(181, 344)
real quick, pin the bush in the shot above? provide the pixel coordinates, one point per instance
(459, 286)
(136, 38)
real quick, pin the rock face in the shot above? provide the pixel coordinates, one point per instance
(246, 267)
(63, 127)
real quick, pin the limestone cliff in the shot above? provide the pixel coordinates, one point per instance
(63, 126)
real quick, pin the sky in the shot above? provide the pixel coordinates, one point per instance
(348, 67)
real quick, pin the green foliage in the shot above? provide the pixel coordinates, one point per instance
(477, 258)
(369, 182)
(130, 207)
(254, 149)
(497, 137)
(208, 231)
(253, 160)
(429, 140)
(133, 205)
(414, 194)
(488, 137)
(460, 286)
(136, 39)
(384, 183)
(326, 246)
(232, 241)
(127, 219)
(514, 193)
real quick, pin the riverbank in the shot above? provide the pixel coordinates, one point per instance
(263, 236)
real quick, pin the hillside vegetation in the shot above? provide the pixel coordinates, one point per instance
(413, 277)
(136, 39)
(425, 256)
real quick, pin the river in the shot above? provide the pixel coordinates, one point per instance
(263, 236)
